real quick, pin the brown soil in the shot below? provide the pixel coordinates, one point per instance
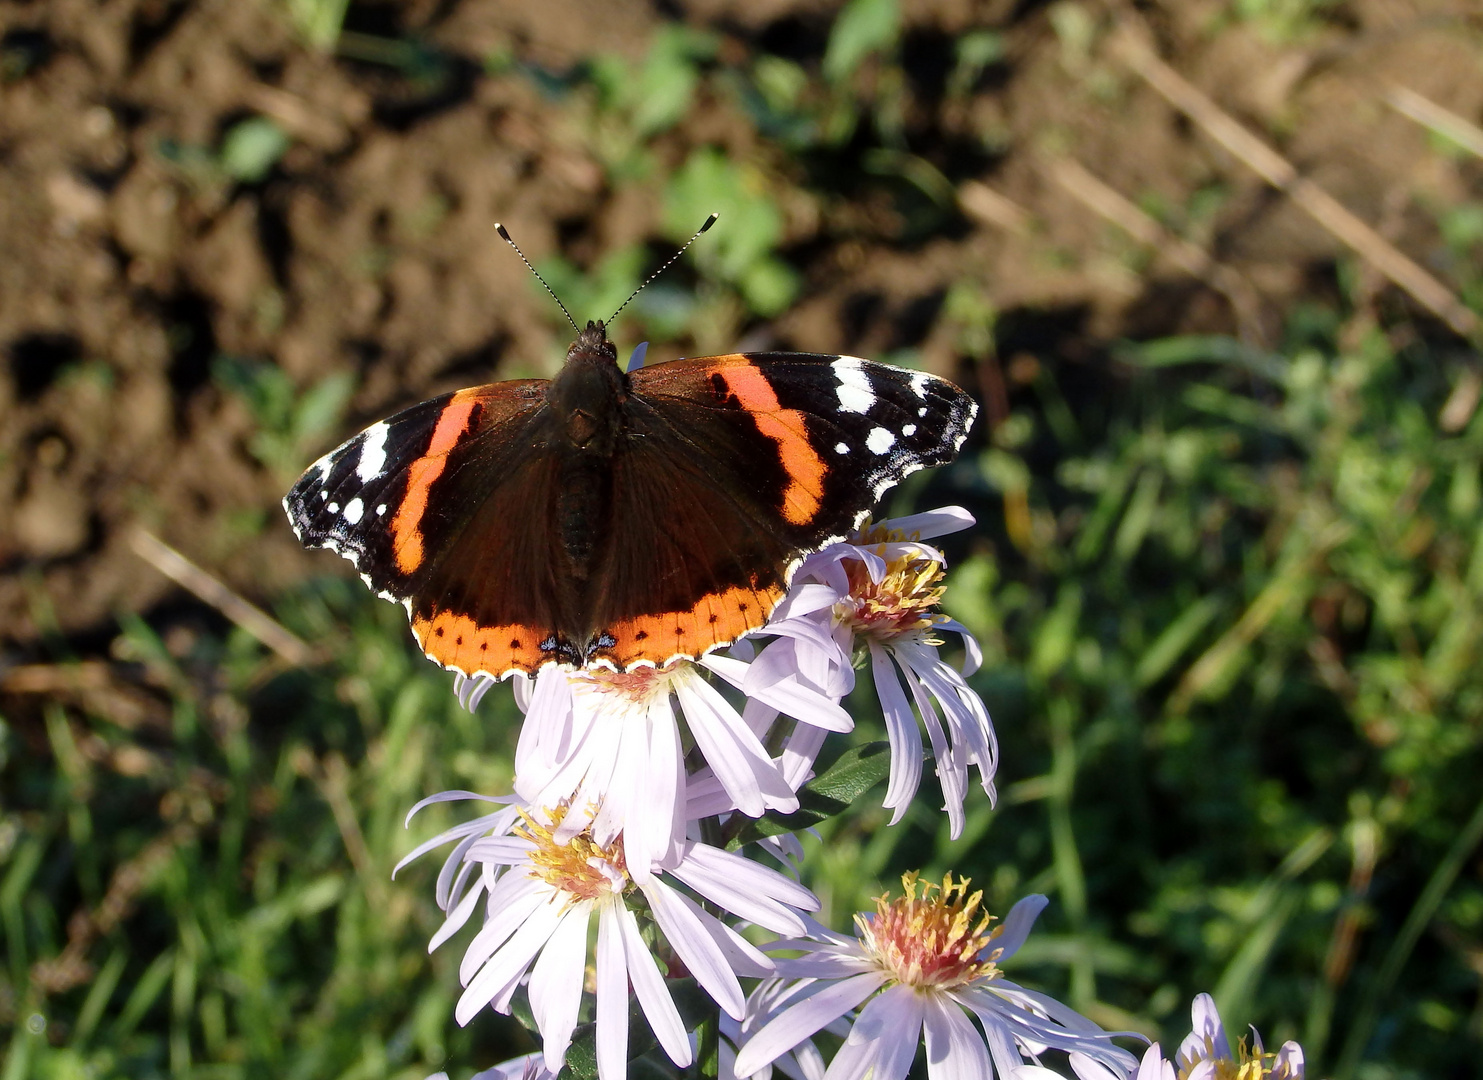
(369, 249)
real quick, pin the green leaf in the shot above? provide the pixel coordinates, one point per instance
(769, 286)
(1178, 636)
(665, 88)
(318, 21)
(251, 149)
(857, 771)
(319, 409)
(1204, 349)
(750, 225)
(864, 27)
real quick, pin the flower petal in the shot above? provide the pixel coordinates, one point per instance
(745, 888)
(955, 1051)
(901, 730)
(457, 917)
(509, 962)
(884, 1038)
(511, 901)
(1017, 925)
(951, 769)
(688, 937)
(649, 988)
(973, 654)
(730, 748)
(791, 1026)
(1289, 1064)
(1207, 1037)
(612, 995)
(932, 523)
(556, 983)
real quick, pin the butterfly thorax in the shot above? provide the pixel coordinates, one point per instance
(586, 400)
(587, 393)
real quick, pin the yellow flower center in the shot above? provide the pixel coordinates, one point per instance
(931, 941)
(579, 866)
(1248, 1064)
(903, 601)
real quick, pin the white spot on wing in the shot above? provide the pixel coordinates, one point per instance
(354, 509)
(855, 394)
(909, 430)
(381, 510)
(372, 452)
(333, 508)
(880, 440)
(841, 448)
(922, 411)
(920, 380)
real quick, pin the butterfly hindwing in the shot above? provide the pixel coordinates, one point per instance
(694, 557)
(494, 596)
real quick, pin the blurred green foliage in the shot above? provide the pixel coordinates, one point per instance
(318, 22)
(251, 147)
(1230, 603)
(290, 424)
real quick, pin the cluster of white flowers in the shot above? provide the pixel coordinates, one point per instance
(608, 823)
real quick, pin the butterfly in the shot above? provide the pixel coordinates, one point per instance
(614, 519)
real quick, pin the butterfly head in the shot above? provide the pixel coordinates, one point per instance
(592, 344)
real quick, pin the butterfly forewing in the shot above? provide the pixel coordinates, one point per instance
(388, 500)
(829, 434)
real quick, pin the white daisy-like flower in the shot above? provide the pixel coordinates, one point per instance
(928, 964)
(544, 891)
(1205, 1053)
(609, 745)
(878, 594)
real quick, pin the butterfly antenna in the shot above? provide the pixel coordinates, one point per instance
(708, 223)
(505, 236)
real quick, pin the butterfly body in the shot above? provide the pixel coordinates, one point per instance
(615, 519)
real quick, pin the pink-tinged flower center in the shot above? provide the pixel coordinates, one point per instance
(579, 866)
(903, 601)
(933, 941)
(628, 690)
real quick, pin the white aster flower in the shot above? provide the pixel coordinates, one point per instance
(543, 892)
(928, 964)
(609, 745)
(1205, 1053)
(879, 593)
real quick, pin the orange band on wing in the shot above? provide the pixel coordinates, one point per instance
(406, 527)
(717, 618)
(457, 641)
(788, 429)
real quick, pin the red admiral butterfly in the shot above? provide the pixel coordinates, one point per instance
(615, 519)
